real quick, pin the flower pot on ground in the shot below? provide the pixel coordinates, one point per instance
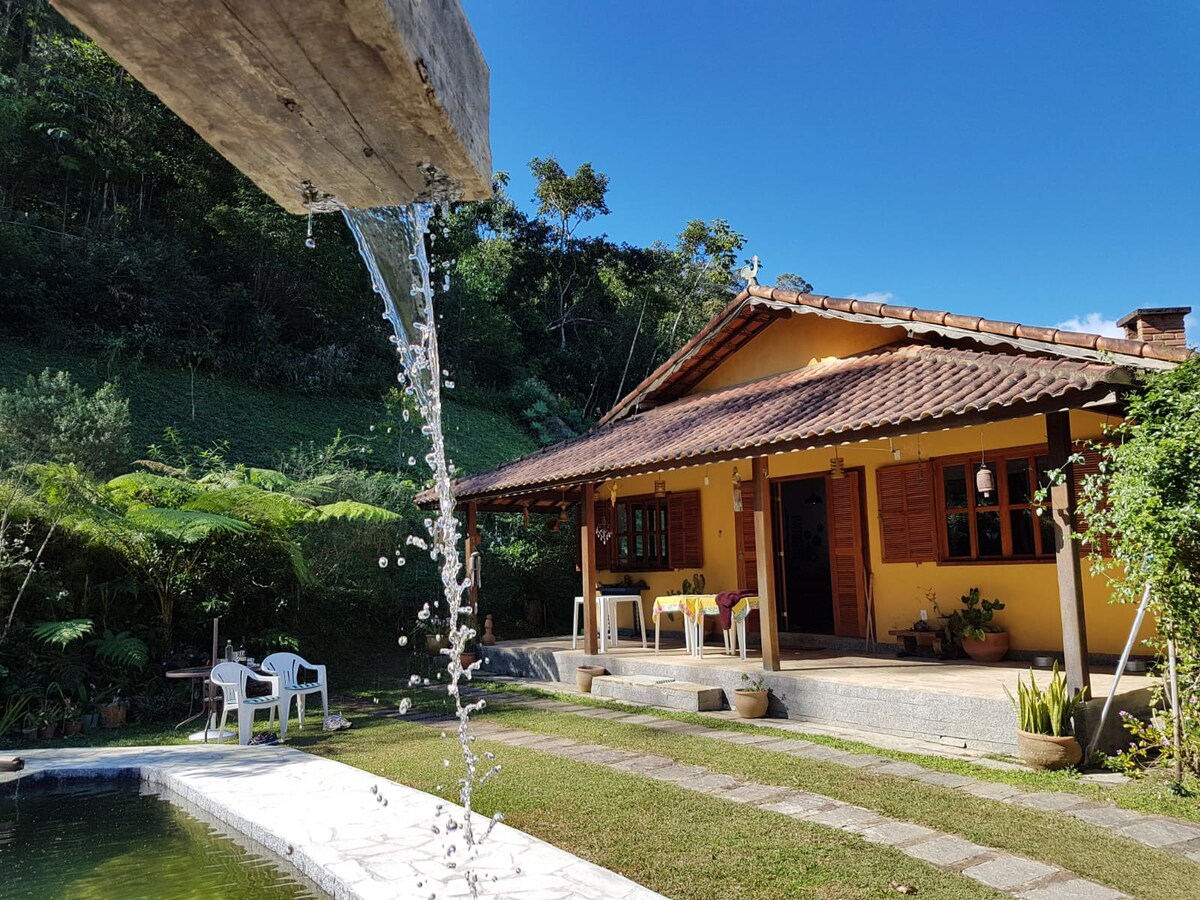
(751, 700)
(436, 643)
(47, 731)
(72, 727)
(584, 676)
(992, 647)
(90, 721)
(972, 630)
(113, 715)
(468, 658)
(1045, 751)
(1045, 734)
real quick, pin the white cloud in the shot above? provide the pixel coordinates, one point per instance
(1092, 323)
(873, 296)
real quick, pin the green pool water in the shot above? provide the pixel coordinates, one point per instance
(121, 840)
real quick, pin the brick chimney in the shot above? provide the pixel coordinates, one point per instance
(1162, 325)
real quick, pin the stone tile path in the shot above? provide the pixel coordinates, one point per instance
(1006, 872)
(1170, 835)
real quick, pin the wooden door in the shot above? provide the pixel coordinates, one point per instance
(743, 524)
(847, 557)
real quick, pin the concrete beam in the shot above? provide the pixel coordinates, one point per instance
(374, 102)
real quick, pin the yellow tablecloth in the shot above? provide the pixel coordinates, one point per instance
(693, 605)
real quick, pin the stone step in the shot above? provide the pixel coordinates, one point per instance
(650, 690)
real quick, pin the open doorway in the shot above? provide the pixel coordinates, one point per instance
(804, 575)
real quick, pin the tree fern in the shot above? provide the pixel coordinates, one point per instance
(121, 649)
(59, 634)
(186, 525)
(353, 511)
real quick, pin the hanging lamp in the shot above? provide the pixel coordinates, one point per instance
(985, 482)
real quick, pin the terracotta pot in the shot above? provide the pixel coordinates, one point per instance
(70, 728)
(1044, 751)
(584, 676)
(750, 704)
(113, 715)
(467, 658)
(992, 648)
(436, 643)
(47, 732)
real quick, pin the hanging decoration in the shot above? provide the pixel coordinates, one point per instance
(837, 467)
(612, 494)
(985, 482)
(737, 491)
(660, 489)
(525, 512)
(706, 476)
(603, 532)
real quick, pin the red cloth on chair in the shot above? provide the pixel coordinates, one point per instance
(726, 601)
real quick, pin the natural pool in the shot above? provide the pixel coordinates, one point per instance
(121, 840)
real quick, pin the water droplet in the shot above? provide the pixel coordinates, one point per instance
(310, 243)
(445, 762)
(404, 414)
(414, 680)
(412, 460)
(423, 615)
(399, 560)
(383, 562)
(405, 706)
(402, 640)
(372, 427)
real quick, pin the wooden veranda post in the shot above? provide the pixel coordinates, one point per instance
(764, 546)
(471, 549)
(587, 555)
(1066, 555)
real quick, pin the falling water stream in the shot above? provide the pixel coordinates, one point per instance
(391, 241)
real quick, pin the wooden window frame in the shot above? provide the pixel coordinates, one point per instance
(661, 518)
(996, 460)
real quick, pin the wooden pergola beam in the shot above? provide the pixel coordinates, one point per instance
(764, 551)
(374, 102)
(587, 545)
(1066, 555)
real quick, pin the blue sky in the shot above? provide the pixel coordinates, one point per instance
(1028, 161)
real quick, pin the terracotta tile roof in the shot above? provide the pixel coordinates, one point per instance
(827, 402)
(742, 319)
(1052, 336)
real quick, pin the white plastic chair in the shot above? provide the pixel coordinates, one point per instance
(287, 666)
(231, 678)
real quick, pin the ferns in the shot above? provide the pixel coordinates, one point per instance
(353, 511)
(59, 634)
(121, 649)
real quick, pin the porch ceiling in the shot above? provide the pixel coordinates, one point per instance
(901, 389)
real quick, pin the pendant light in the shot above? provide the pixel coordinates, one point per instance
(985, 482)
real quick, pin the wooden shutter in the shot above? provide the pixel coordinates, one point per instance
(846, 558)
(685, 544)
(1090, 465)
(606, 554)
(907, 513)
(746, 546)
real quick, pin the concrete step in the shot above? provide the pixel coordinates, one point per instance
(653, 690)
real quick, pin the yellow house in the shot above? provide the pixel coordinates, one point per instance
(853, 463)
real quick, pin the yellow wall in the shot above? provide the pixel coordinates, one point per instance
(1029, 589)
(795, 342)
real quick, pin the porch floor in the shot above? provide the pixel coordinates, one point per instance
(958, 703)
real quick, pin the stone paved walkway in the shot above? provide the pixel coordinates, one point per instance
(1006, 872)
(1170, 835)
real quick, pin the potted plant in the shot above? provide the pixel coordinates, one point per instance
(72, 719)
(30, 724)
(972, 629)
(49, 716)
(114, 713)
(584, 676)
(1045, 736)
(752, 698)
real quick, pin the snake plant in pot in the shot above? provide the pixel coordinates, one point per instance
(1045, 736)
